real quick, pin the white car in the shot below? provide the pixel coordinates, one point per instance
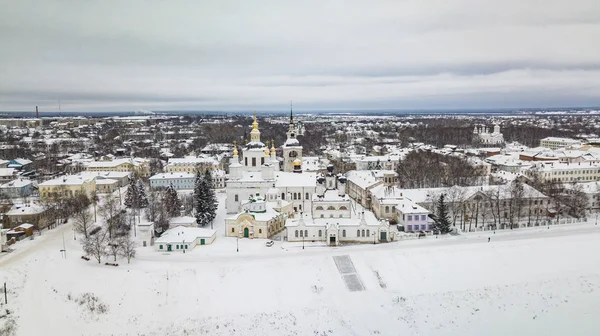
(270, 243)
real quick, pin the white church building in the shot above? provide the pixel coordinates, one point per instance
(483, 137)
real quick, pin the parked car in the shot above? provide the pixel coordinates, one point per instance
(422, 234)
(270, 243)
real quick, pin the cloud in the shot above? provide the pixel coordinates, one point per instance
(231, 55)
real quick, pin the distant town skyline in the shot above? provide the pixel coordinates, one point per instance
(338, 55)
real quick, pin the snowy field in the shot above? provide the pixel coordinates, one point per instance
(528, 282)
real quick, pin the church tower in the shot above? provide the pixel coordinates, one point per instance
(291, 149)
(255, 152)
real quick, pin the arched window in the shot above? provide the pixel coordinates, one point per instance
(363, 233)
(283, 196)
(306, 233)
(300, 207)
(343, 233)
(387, 209)
(368, 233)
(307, 195)
(246, 161)
(301, 233)
(296, 233)
(330, 207)
(259, 231)
(343, 207)
(232, 230)
(295, 196)
(319, 208)
(358, 233)
(320, 233)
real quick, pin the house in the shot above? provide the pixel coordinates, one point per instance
(67, 186)
(20, 164)
(106, 186)
(17, 188)
(178, 180)
(181, 239)
(7, 174)
(26, 213)
(260, 217)
(413, 217)
(555, 142)
(26, 228)
(186, 221)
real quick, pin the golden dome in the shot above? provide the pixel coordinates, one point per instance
(297, 162)
(272, 146)
(235, 151)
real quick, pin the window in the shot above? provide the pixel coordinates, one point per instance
(259, 231)
(423, 217)
(423, 227)
(307, 195)
(330, 208)
(409, 218)
(186, 247)
(305, 233)
(368, 233)
(177, 247)
(320, 233)
(322, 216)
(343, 208)
(253, 162)
(319, 208)
(387, 209)
(363, 233)
(301, 233)
(295, 196)
(296, 233)
(262, 160)
(246, 161)
(343, 233)
(160, 247)
(236, 198)
(283, 196)
(358, 233)
(232, 230)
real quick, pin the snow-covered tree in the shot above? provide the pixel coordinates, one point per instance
(115, 246)
(131, 198)
(204, 196)
(141, 195)
(82, 220)
(171, 201)
(95, 244)
(442, 217)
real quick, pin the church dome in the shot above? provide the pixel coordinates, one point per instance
(297, 162)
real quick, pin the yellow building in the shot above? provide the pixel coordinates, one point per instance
(260, 218)
(135, 165)
(191, 164)
(67, 186)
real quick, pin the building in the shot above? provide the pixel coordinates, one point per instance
(555, 143)
(258, 172)
(67, 186)
(483, 137)
(25, 213)
(7, 174)
(145, 233)
(179, 180)
(364, 228)
(181, 239)
(412, 217)
(191, 164)
(565, 172)
(106, 186)
(360, 182)
(292, 150)
(134, 165)
(386, 162)
(17, 188)
(260, 218)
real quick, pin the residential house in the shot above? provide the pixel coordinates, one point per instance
(178, 180)
(181, 239)
(67, 186)
(25, 213)
(17, 188)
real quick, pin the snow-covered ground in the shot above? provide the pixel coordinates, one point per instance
(533, 281)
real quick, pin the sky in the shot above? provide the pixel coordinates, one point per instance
(239, 55)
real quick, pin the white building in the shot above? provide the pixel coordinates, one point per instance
(191, 164)
(258, 172)
(483, 136)
(181, 238)
(179, 180)
(555, 142)
(565, 172)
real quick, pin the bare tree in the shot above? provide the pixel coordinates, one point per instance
(95, 244)
(82, 221)
(109, 210)
(128, 248)
(115, 246)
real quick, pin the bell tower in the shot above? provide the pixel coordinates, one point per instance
(292, 150)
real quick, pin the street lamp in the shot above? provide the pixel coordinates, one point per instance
(374, 236)
(303, 242)
(237, 244)
(183, 246)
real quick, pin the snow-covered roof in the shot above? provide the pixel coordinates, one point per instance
(192, 160)
(182, 234)
(285, 179)
(25, 209)
(25, 226)
(425, 195)
(18, 183)
(172, 175)
(182, 220)
(106, 181)
(68, 180)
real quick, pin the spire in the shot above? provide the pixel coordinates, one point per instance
(235, 151)
(291, 116)
(272, 146)
(267, 149)
(255, 123)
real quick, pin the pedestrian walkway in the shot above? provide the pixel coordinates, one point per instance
(348, 272)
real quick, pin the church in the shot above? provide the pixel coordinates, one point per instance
(264, 199)
(261, 195)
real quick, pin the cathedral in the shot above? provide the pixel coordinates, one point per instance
(261, 196)
(264, 199)
(483, 137)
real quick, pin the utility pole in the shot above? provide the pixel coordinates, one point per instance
(5, 295)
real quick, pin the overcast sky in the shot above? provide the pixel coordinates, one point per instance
(247, 55)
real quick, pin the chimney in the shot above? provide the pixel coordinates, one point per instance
(37, 114)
